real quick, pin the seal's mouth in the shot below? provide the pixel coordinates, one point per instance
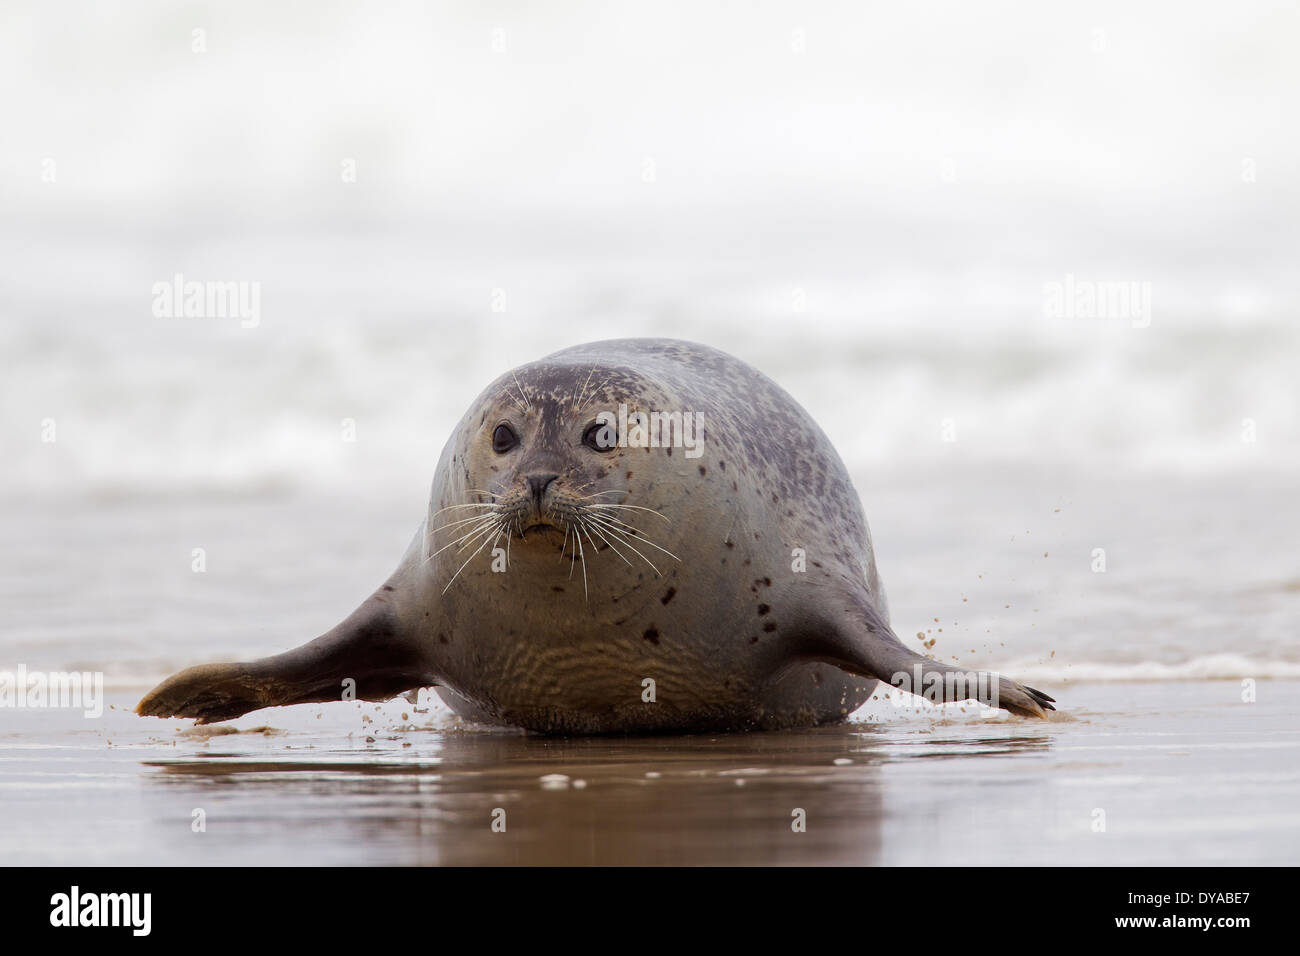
(581, 525)
(540, 527)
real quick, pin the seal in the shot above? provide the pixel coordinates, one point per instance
(627, 536)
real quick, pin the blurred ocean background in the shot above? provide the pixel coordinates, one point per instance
(867, 204)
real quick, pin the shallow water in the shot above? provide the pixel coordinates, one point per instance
(1184, 773)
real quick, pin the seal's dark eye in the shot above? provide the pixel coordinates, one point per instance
(504, 438)
(600, 437)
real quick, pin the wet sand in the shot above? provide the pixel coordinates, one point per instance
(1184, 772)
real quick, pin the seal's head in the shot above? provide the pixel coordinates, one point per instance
(545, 462)
(553, 457)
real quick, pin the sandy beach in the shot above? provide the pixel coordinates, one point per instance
(1184, 773)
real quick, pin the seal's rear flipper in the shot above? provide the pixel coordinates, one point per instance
(364, 658)
(857, 639)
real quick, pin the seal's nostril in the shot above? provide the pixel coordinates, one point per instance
(537, 484)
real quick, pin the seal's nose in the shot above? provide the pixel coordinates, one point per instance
(537, 484)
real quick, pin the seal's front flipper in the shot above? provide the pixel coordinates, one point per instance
(364, 658)
(855, 638)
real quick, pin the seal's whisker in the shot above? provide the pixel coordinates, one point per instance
(582, 555)
(521, 391)
(611, 545)
(473, 532)
(483, 519)
(577, 490)
(473, 537)
(484, 522)
(603, 504)
(473, 504)
(625, 532)
(622, 525)
(622, 536)
(594, 392)
(639, 534)
(467, 561)
(619, 523)
(452, 524)
(595, 548)
(573, 550)
(506, 393)
(583, 394)
(501, 528)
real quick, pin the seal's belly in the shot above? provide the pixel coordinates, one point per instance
(611, 689)
(638, 655)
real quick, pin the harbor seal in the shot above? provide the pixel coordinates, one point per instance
(627, 536)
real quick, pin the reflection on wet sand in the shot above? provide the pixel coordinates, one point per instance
(1183, 772)
(662, 800)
